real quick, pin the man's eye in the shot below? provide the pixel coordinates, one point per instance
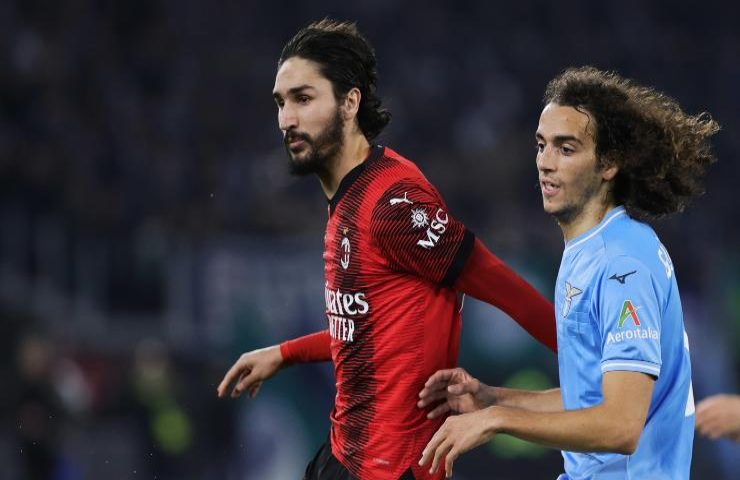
(539, 147)
(303, 99)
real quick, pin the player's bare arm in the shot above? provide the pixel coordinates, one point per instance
(613, 426)
(719, 416)
(535, 401)
(455, 390)
(256, 366)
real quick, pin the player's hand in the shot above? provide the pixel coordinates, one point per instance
(250, 370)
(719, 416)
(456, 436)
(457, 390)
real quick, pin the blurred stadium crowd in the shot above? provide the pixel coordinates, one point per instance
(149, 231)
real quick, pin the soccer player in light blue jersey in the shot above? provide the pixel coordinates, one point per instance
(609, 152)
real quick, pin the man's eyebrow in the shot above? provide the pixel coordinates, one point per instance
(558, 139)
(294, 91)
(567, 138)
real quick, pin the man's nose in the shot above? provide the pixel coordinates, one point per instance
(287, 118)
(546, 159)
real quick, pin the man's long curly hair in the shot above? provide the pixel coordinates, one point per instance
(661, 152)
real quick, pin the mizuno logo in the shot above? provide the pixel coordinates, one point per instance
(404, 199)
(621, 278)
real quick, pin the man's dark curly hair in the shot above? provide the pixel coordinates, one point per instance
(347, 60)
(661, 151)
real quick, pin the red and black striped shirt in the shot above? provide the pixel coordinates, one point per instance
(392, 252)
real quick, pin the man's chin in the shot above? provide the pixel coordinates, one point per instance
(299, 162)
(548, 207)
(552, 209)
(562, 214)
(297, 157)
(302, 166)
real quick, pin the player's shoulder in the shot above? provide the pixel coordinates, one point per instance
(402, 162)
(631, 246)
(401, 167)
(628, 237)
(403, 178)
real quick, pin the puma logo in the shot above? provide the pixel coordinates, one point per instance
(404, 199)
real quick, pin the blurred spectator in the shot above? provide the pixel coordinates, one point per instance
(719, 416)
(166, 428)
(39, 411)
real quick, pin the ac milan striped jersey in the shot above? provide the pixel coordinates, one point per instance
(391, 253)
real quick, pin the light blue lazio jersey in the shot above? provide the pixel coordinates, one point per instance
(618, 308)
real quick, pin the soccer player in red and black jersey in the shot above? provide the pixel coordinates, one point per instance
(396, 265)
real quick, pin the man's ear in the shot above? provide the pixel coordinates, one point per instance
(609, 170)
(351, 103)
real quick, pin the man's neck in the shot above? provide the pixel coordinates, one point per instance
(591, 216)
(354, 151)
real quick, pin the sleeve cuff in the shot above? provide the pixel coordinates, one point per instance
(631, 366)
(461, 258)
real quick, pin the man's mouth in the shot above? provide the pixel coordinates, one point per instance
(295, 142)
(549, 188)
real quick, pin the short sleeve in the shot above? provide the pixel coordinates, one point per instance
(630, 318)
(416, 233)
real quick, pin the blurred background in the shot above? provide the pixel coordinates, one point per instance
(150, 232)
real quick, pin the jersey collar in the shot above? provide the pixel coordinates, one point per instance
(352, 175)
(593, 231)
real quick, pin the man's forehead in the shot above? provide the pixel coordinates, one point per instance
(560, 120)
(296, 72)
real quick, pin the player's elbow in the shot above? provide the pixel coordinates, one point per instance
(626, 446)
(625, 438)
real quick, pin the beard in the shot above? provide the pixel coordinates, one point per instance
(319, 151)
(568, 213)
(575, 207)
